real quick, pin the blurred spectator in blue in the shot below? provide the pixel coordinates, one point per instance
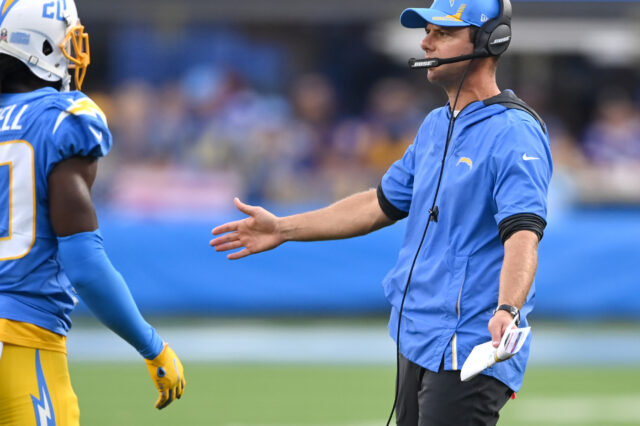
(212, 97)
(614, 136)
(132, 111)
(313, 100)
(612, 146)
(170, 132)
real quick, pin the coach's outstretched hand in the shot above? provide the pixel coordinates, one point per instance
(257, 233)
(167, 374)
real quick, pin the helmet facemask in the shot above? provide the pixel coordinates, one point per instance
(75, 47)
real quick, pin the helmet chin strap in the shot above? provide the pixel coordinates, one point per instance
(66, 83)
(34, 61)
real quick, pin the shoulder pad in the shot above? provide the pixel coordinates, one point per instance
(78, 104)
(80, 127)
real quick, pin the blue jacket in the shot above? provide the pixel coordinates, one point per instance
(498, 165)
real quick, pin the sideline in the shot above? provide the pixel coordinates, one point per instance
(346, 343)
(580, 410)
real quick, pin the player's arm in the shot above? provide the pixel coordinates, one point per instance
(355, 215)
(518, 270)
(100, 286)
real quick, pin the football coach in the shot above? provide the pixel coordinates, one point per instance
(473, 189)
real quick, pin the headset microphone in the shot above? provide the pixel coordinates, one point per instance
(416, 64)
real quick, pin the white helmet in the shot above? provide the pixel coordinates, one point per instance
(47, 36)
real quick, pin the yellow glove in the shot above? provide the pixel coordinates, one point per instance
(168, 375)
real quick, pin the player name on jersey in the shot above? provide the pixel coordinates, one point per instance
(9, 120)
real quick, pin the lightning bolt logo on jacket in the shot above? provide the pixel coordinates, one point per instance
(467, 161)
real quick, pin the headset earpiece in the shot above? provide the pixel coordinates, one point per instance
(494, 36)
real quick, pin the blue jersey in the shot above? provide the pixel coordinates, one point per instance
(38, 130)
(498, 165)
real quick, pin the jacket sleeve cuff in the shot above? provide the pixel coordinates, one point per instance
(389, 209)
(521, 222)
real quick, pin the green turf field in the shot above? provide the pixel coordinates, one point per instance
(243, 395)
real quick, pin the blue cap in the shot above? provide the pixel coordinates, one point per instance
(452, 13)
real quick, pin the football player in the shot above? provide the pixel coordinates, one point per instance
(51, 249)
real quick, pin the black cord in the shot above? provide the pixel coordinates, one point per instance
(433, 212)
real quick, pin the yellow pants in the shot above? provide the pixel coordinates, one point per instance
(35, 388)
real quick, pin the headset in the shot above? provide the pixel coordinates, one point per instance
(492, 39)
(494, 36)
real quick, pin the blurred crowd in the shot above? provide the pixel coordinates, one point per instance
(197, 140)
(212, 132)
(600, 163)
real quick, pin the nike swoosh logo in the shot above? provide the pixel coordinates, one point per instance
(525, 158)
(96, 133)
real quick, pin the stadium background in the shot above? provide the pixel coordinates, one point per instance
(294, 104)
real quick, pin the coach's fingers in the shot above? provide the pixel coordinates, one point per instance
(245, 208)
(239, 254)
(227, 238)
(498, 325)
(229, 246)
(226, 227)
